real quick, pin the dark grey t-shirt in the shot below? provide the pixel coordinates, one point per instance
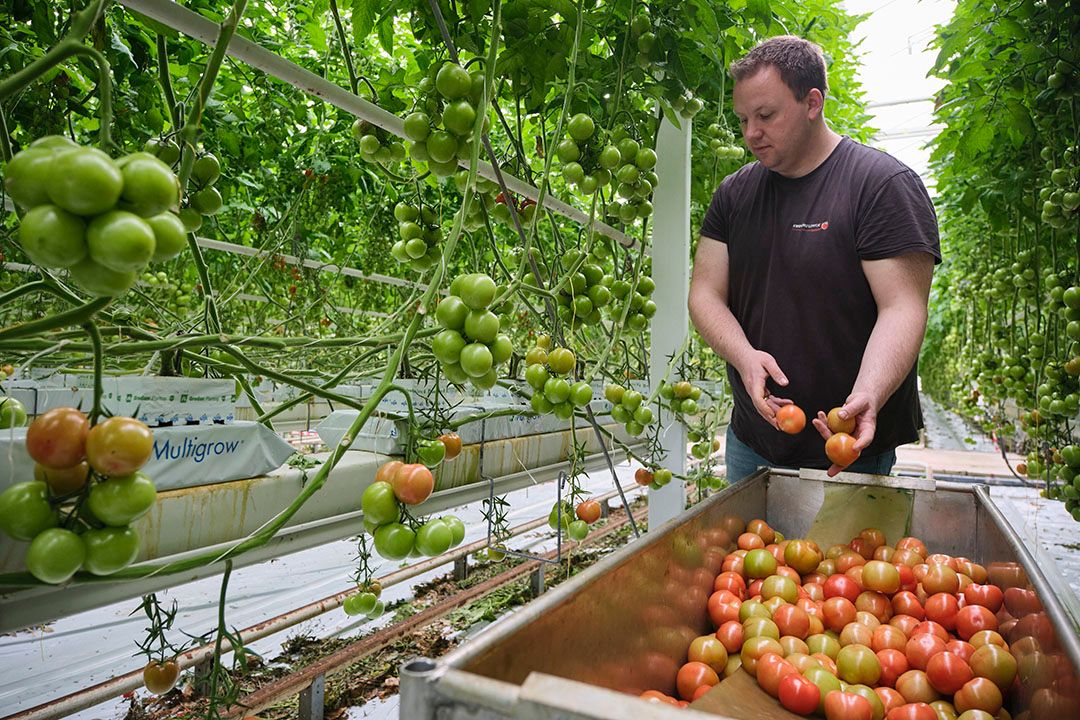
(798, 290)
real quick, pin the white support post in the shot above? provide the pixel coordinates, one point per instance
(670, 325)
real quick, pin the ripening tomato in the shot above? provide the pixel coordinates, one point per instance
(889, 698)
(387, 471)
(709, 650)
(57, 438)
(841, 586)
(840, 449)
(915, 687)
(978, 694)
(888, 636)
(840, 705)
(914, 544)
(693, 675)
(988, 596)
(589, 511)
(881, 577)
(974, 618)
(874, 603)
(802, 555)
(160, 677)
(771, 669)
(940, 578)
(906, 603)
(995, 664)
(643, 477)
(798, 694)
(792, 620)
(837, 612)
(791, 419)
(730, 634)
(912, 711)
(750, 541)
(732, 582)
(947, 672)
(452, 441)
(759, 564)
(893, 664)
(961, 649)
(855, 633)
(824, 644)
(929, 626)
(920, 648)
(723, 606)
(858, 664)
(754, 647)
(119, 446)
(413, 483)
(825, 681)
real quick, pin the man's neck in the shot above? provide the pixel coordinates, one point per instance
(823, 142)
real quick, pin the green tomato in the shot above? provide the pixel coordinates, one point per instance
(485, 381)
(610, 157)
(614, 393)
(459, 117)
(26, 177)
(501, 349)
(581, 394)
(644, 415)
(394, 541)
(635, 428)
(453, 81)
(645, 158)
(12, 413)
(628, 148)
(191, 218)
(457, 529)
(25, 510)
(417, 126)
(52, 237)
(170, 236)
(119, 501)
(631, 400)
(379, 504)
(581, 127)
(442, 148)
(556, 390)
(84, 181)
(454, 373)
(568, 151)
(688, 406)
(431, 452)
(577, 530)
(620, 414)
(662, 476)
(110, 549)
(434, 538)
(150, 187)
(120, 241)
(555, 516)
(476, 360)
(207, 169)
(207, 201)
(563, 410)
(482, 326)
(477, 291)
(447, 346)
(55, 555)
(53, 142)
(540, 404)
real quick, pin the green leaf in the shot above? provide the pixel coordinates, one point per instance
(386, 34)
(364, 13)
(760, 12)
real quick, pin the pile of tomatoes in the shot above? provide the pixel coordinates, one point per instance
(864, 631)
(470, 345)
(398, 484)
(102, 220)
(87, 490)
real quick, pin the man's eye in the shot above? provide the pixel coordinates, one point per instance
(765, 117)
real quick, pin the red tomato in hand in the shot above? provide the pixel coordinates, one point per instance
(840, 449)
(791, 419)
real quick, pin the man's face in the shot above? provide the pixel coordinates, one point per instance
(774, 124)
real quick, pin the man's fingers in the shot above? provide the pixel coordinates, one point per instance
(864, 434)
(774, 370)
(822, 427)
(834, 470)
(854, 406)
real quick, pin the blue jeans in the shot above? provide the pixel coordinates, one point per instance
(742, 461)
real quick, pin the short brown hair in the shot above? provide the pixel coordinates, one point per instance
(801, 64)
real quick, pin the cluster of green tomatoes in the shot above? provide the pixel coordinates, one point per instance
(549, 372)
(441, 131)
(470, 346)
(722, 142)
(1061, 198)
(628, 407)
(420, 236)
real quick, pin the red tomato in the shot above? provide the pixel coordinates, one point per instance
(732, 582)
(723, 606)
(912, 711)
(771, 669)
(942, 608)
(837, 612)
(589, 511)
(798, 694)
(904, 623)
(792, 620)
(920, 648)
(893, 664)
(947, 672)
(693, 675)
(905, 603)
(750, 541)
(889, 698)
(974, 618)
(887, 636)
(791, 419)
(847, 706)
(643, 477)
(841, 586)
(413, 484)
(57, 438)
(978, 694)
(847, 560)
(840, 449)
(912, 543)
(961, 649)
(655, 696)
(907, 576)
(988, 596)
(731, 635)
(929, 626)
(452, 442)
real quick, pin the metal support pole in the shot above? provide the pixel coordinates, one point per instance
(670, 325)
(536, 581)
(461, 568)
(201, 676)
(312, 701)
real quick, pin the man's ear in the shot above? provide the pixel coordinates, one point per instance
(815, 103)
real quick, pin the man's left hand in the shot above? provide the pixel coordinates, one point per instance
(859, 405)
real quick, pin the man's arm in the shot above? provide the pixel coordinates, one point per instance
(901, 288)
(709, 311)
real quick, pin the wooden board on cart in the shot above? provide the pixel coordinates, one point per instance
(739, 696)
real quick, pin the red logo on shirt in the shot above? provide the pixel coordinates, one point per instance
(811, 227)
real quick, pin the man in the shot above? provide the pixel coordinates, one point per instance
(812, 274)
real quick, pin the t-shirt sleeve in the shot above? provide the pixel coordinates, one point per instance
(715, 223)
(899, 218)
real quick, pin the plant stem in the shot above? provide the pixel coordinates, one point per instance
(343, 39)
(99, 361)
(74, 316)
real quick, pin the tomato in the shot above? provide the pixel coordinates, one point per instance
(476, 290)
(160, 677)
(501, 349)
(430, 452)
(150, 187)
(26, 177)
(101, 281)
(921, 647)
(57, 438)
(657, 697)
(875, 604)
(798, 694)
(476, 359)
(563, 361)
(413, 484)
(580, 127)
(749, 541)
(206, 201)
(994, 663)
(457, 529)
(723, 607)
(25, 510)
(577, 530)
(447, 346)
(693, 675)
(838, 425)
(122, 499)
(858, 664)
(881, 577)
(709, 650)
(451, 441)
(912, 711)
(792, 620)
(757, 626)
(791, 419)
(643, 477)
(62, 481)
(947, 672)
(906, 603)
(170, 236)
(771, 669)
(961, 649)
(841, 705)
(754, 648)
(191, 218)
(110, 549)
(841, 586)
(942, 608)
(855, 633)
(12, 413)
(929, 626)
(120, 241)
(802, 555)
(52, 237)
(988, 596)
(84, 181)
(759, 563)
(888, 636)
(434, 538)
(589, 511)
(825, 644)
(453, 81)
(893, 664)
(825, 681)
(840, 449)
(378, 502)
(481, 325)
(974, 618)
(119, 446)
(55, 555)
(915, 687)
(837, 612)
(977, 694)
(730, 634)
(394, 541)
(940, 578)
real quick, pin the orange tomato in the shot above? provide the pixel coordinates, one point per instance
(837, 425)
(791, 419)
(840, 449)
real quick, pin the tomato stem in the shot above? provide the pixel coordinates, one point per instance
(74, 316)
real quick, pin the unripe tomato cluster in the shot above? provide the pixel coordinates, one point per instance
(163, 287)
(500, 211)
(682, 397)
(1063, 79)
(92, 474)
(441, 132)
(1060, 198)
(420, 236)
(587, 513)
(470, 346)
(397, 484)
(655, 478)
(377, 145)
(642, 308)
(202, 198)
(722, 142)
(366, 602)
(588, 291)
(101, 220)
(629, 408)
(550, 375)
(864, 630)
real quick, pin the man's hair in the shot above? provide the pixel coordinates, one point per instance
(801, 64)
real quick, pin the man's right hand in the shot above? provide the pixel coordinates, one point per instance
(757, 367)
